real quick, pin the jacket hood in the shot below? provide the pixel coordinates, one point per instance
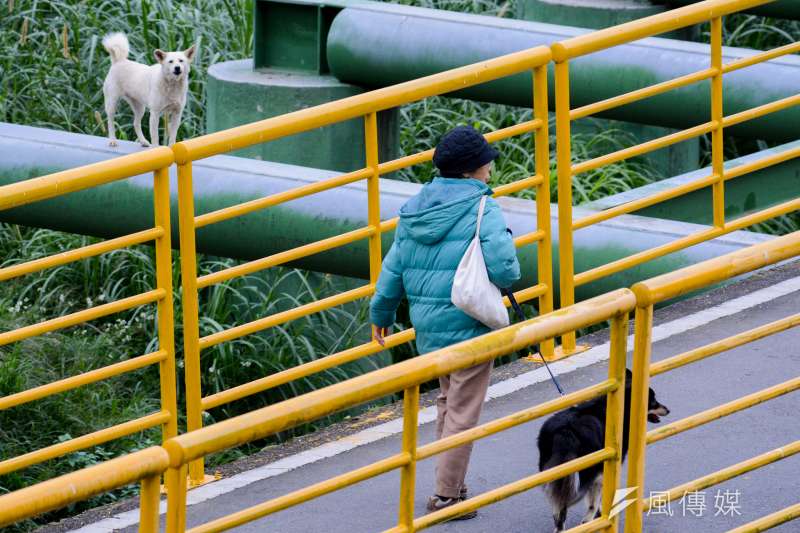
(431, 214)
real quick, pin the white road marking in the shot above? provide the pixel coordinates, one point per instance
(504, 388)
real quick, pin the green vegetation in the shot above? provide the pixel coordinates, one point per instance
(423, 123)
(50, 52)
(751, 31)
(102, 342)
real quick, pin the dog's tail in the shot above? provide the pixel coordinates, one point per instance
(116, 44)
(562, 492)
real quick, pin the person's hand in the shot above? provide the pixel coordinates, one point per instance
(379, 333)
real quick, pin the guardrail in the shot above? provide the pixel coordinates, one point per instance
(366, 107)
(407, 376)
(157, 161)
(144, 466)
(186, 452)
(666, 287)
(564, 51)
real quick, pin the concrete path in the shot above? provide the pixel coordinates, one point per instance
(506, 457)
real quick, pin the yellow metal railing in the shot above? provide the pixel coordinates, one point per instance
(407, 376)
(145, 466)
(364, 106)
(662, 288)
(563, 52)
(186, 452)
(178, 452)
(367, 105)
(157, 161)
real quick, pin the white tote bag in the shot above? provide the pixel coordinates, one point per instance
(473, 292)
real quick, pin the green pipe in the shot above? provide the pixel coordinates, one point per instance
(381, 46)
(744, 195)
(126, 206)
(786, 9)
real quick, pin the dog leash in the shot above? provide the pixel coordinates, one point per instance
(521, 316)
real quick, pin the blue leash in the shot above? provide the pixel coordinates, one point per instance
(521, 316)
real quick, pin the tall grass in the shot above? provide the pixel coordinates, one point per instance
(424, 122)
(760, 33)
(52, 64)
(106, 341)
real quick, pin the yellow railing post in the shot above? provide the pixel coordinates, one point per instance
(148, 504)
(637, 441)
(373, 195)
(408, 472)
(176, 499)
(615, 413)
(717, 116)
(544, 250)
(566, 263)
(191, 329)
(166, 322)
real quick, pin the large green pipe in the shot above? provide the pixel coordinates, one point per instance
(377, 47)
(126, 206)
(787, 9)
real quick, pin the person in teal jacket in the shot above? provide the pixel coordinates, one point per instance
(435, 229)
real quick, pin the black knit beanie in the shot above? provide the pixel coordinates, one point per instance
(462, 150)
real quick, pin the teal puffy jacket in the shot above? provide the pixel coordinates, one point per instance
(435, 228)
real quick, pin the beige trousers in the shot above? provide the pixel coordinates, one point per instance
(459, 405)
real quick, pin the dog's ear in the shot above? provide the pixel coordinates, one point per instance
(160, 55)
(189, 52)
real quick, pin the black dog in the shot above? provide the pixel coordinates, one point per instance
(578, 431)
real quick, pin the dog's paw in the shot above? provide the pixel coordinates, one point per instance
(112, 142)
(144, 143)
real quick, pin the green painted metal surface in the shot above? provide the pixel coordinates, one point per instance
(220, 181)
(292, 35)
(597, 15)
(238, 94)
(671, 161)
(789, 9)
(743, 196)
(376, 48)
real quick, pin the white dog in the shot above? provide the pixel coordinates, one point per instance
(161, 88)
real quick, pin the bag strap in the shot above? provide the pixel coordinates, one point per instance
(480, 216)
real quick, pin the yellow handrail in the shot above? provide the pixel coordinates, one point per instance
(407, 376)
(145, 465)
(669, 286)
(362, 106)
(26, 192)
(707, 273)
(708, 11)
(78, 179)
(674, 19)
(359, 105)
(185, 452)
(278, 417)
